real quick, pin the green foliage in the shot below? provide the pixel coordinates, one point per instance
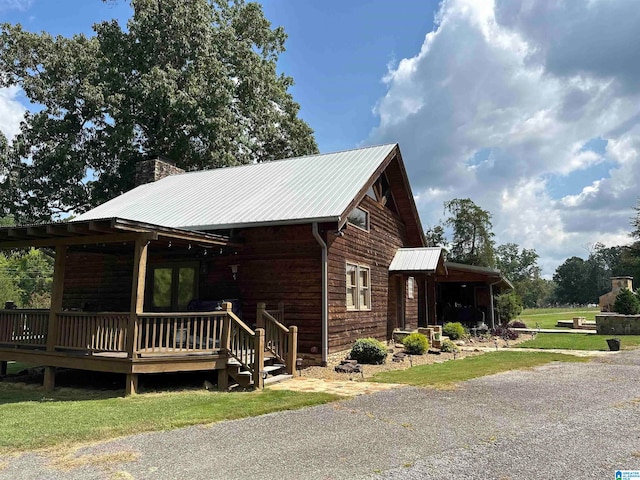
(26, 277)
(454, 330)
(369, 351)
(472, 242)
(416, 343)
(509, 306)
(626, 303)
(449, 347)
(435, 236)
(194, 81)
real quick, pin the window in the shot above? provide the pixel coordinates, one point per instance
(410, 286)
(382, 193)
(173, 287)
(358, 287)
(359, 218)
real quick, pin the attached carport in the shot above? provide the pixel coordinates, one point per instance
(465, 294)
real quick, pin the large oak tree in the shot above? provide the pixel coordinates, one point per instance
(192, 81)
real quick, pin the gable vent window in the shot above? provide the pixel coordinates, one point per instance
(359, 218)
(358, 287)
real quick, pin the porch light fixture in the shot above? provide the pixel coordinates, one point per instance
(234, 271)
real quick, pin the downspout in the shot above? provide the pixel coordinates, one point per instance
(325, 298)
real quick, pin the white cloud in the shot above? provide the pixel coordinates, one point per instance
(11, 111)
(519, 87)
(20, 5)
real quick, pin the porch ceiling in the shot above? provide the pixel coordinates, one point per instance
(102, 231)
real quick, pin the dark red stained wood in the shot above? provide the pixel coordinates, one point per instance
(374, 249)
(276, 264)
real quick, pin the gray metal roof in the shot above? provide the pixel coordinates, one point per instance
(423, 259)
(302, 189)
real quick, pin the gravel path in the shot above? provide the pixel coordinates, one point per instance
(558, 421)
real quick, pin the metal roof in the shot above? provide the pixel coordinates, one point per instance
(302, 189)
(424, 259)
(486, 271)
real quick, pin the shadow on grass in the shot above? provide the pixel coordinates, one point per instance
(25, 385)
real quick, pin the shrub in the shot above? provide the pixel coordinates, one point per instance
(416, 344)
(369, 350)
(505, 332)
(454, 330)
(449, 347)
(626, 303)
(517, 324)
(509, 306)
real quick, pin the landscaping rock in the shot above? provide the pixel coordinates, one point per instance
(459, 343)
(399, 357)
(434, 352)
(348, 366)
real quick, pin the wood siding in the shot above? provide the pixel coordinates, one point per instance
(374, 249)
(276, 264)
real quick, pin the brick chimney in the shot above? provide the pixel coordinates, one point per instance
(148, 171)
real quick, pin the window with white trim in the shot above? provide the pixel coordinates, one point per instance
(410, 287)
(358, 287)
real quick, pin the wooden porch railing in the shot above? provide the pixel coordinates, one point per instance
(179, 332)
(219, 332)
(26, 328)
(281, 341)
(92, 332)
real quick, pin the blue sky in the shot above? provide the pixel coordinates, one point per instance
(531, 109)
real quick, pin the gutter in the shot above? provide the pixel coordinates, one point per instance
(325, 296)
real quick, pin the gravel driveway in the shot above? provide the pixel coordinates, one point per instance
(570, 421)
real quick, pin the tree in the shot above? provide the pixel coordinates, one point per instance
(517, 265)
(627, 303)
(472, 241)
(435, 236)
(193, 81)
(572, 282)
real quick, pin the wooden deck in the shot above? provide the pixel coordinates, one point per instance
(120, 342)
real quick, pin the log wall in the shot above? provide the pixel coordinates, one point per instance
(374, 249)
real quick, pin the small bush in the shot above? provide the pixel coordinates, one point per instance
(509, 306)
(449, 347)
(626, 303)
(517, 324)
(369, 350)
(505, 332)
(454, 330)
(416, 344)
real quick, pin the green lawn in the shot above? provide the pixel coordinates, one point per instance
(578, 341)
(439, 374)
(548, 317)
(31, 418)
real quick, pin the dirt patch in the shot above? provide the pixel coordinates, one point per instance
(329, 373)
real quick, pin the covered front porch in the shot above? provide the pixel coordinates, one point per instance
(154, 273)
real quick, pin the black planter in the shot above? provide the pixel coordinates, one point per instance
(614, 344)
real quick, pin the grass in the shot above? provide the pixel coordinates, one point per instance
(31, 418)
(548, 317)
(14, 368)
(578, 341)
(446, 373)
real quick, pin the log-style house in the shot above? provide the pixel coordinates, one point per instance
(220, 269)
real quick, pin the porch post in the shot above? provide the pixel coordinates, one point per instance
(260, 310)
(137, 306)
(292, 351)
(258, 367)
(57, 292)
